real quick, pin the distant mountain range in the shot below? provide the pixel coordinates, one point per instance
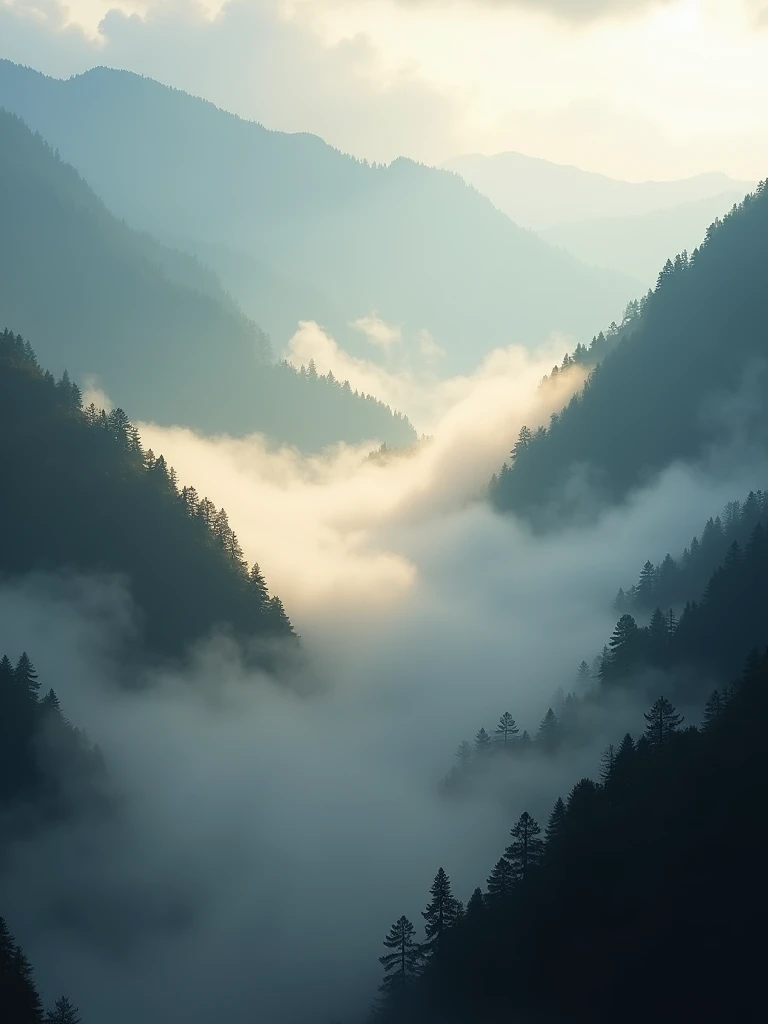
(152, 324)
(298, 230)
(540, 195)
(640, 244)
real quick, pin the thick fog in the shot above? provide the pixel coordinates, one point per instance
(265, 836)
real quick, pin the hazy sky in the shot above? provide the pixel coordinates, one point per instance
(634, 88)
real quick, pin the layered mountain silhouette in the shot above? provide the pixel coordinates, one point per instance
(540, 194)
(300, 230)
(152, 324)
(639, 244)
(687, 377)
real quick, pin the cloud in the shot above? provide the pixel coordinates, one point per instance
(378, 332)
(568, 10)
(263, 842)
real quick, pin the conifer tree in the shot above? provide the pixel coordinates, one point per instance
(482, 741)
(26, 676)
(549, 732)
(63, 1012)
(258, 584)
(556, 822)
(526, 849)
(403, 965)
(663, 722)
(19, 1000)
(583, 677)
(500, 882)
(607, 760)
(464, 755)
(475, 905)
(713, 708)
(441, 912)
(624, 650)
(507, 728)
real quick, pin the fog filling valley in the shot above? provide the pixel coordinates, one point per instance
(266, 835)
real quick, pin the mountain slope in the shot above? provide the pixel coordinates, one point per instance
(413, 244)
(152, 324)
(639, 245)
(689, 377)
(539, 194)
(117, 510)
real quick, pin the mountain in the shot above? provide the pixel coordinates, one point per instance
(638, 245)
(413, 244)
(152, 324)
(540, 195)
(651, 872)
(686, 377)
(117, 511)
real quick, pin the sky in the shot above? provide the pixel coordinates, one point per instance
(636, 89)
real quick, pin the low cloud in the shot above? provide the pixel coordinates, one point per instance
(263, 842)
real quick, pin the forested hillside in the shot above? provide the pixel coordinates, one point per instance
(415, 245)
(685, 380)
(153, 325)
(81, 494)
(646, 877)
(654, 862)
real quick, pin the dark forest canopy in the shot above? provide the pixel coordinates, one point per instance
(152, 324)
(651, 875)
(320, 232)
(118, 510)
(685, 379)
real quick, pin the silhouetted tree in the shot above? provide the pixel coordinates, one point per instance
(482, 741)
(500, 882)
(526, 849)
(403, 965)
(441, 912)
(507, 728)
(63, 1013)
(663, 722)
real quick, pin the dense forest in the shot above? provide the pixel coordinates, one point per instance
(153, 325)
(642, 894)
(413, 243)
(672, 389)
(118, 510)
(20, 1002)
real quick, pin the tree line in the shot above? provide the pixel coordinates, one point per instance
(640, 407)
(119, 510)
(655, 863)
(20, 1002)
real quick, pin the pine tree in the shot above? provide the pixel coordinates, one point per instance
(646, 584)
(482, 741)
(507, 729)
(713, 708)
(663, 722)
(258, 584)
(19, 1000)
(658, 637)
(583, 677)
(549, 732)
(607, 760)
(475, 905)
(500, 882)
(441, 912)
(556, 822)
(464, 755)
(624, 650)
(26, 676)
(526, 849)
(403, 965)
(63, 1013)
